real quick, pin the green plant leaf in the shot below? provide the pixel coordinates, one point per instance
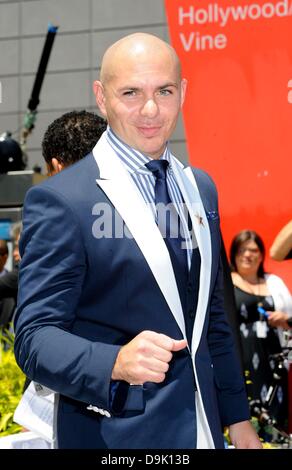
(4, 421)
(11, 384)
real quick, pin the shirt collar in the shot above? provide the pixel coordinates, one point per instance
(133, 159)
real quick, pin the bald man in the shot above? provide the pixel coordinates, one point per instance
(120, 304)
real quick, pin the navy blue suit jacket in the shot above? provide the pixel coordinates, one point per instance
(82, 297)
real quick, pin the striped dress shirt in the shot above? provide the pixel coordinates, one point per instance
(134, 162)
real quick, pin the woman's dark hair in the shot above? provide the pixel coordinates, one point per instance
(238, 240)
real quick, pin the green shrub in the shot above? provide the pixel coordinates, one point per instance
(11, 385)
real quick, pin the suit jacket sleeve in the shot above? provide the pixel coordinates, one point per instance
(231, 392)
(230, 386)
(51, 276)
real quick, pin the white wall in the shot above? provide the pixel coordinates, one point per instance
(86, 28)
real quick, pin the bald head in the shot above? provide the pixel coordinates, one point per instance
(141, 92)
(137, 47)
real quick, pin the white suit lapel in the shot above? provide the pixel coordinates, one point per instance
(192, 198)
(121, 190)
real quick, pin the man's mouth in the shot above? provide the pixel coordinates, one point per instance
(149, 131)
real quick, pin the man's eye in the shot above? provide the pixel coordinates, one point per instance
(129, 93)
(165, 92)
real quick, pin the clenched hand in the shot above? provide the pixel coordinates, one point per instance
(146, 358)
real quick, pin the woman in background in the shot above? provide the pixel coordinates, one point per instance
(263, 301)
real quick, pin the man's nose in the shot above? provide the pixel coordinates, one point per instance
(149, 108)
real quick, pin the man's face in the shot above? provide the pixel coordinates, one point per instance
(141, 102)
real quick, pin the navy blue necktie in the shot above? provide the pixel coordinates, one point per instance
(170, 223)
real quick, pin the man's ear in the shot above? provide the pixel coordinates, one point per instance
(184, 83)
(56, 166)
(98, 90)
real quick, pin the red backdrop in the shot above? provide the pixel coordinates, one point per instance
(237, 58)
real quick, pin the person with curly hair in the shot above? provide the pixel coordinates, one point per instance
(69, 138)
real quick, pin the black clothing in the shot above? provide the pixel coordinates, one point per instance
(257, 351)
(8, 296)
(9, 285)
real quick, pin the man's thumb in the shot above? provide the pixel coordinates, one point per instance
(178, 345)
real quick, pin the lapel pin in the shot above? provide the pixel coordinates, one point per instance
(200, 220)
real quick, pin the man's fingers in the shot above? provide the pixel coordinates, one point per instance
(154, 365)
(146, 358)
(161, 354)
(161, 340)
(178, 345)
(151, 376)
(167, 343)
